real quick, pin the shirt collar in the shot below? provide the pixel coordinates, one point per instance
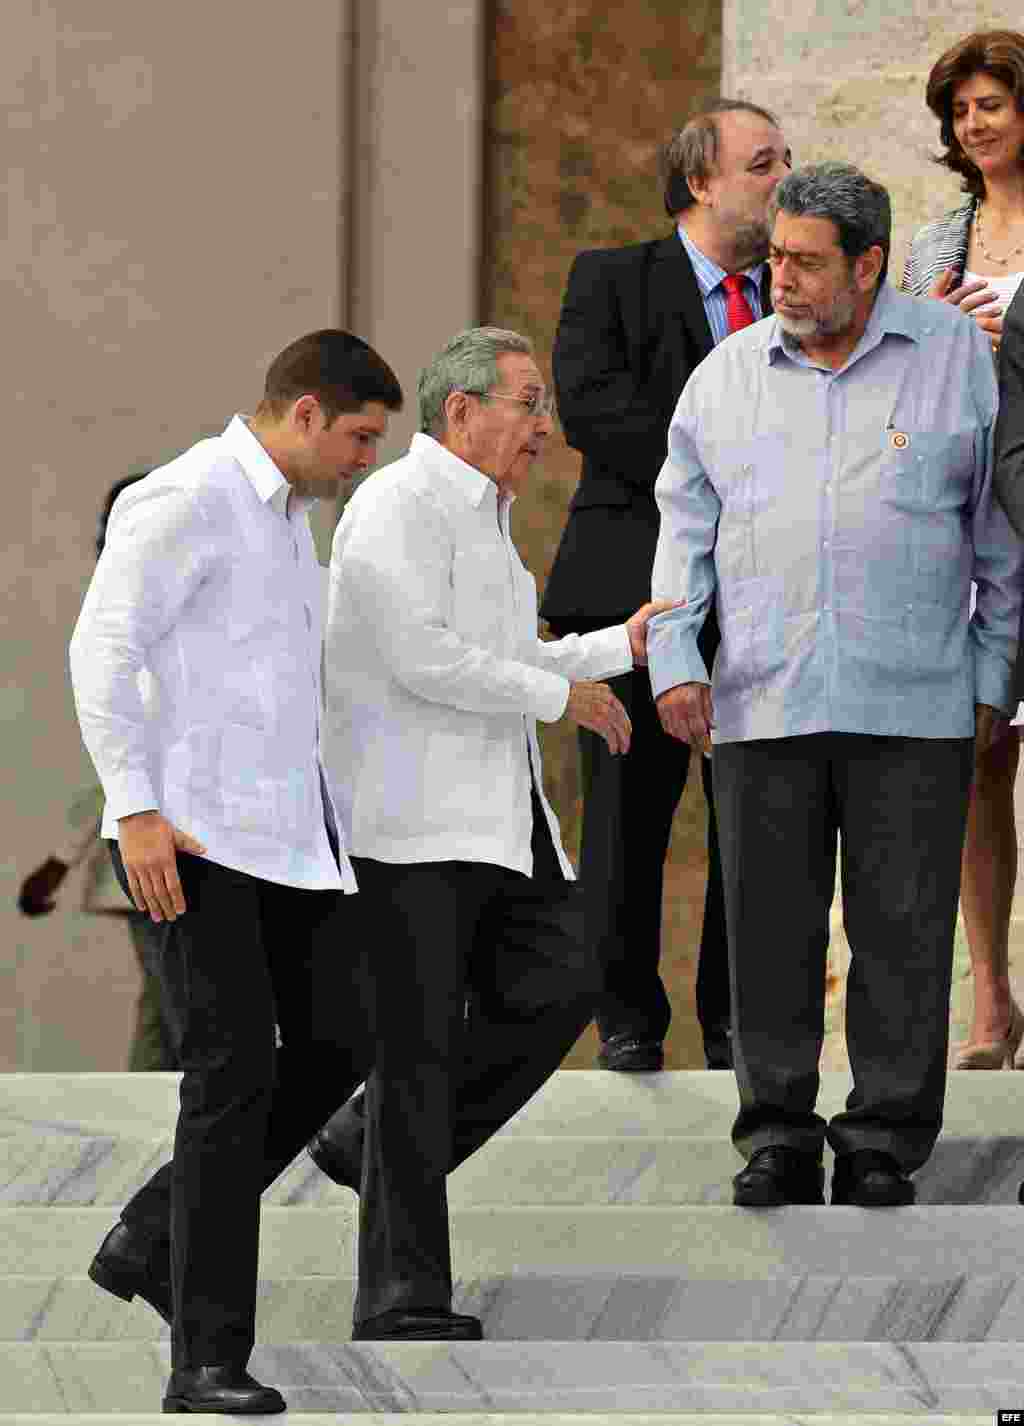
(707, 272)
(892, 315)
(265, 477)
(476, 487)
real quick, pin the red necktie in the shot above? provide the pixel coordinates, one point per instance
(737, 308)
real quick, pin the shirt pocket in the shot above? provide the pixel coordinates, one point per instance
(926, 483)
(482, 595)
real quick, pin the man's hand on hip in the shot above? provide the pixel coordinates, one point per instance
(687, 713)
(636, 626)
(149, 847)
(990, 724)
(594, 706)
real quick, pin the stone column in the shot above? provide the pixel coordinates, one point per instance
(847, 79)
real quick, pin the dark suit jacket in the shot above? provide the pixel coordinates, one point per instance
(1008, 478)
(632, 329)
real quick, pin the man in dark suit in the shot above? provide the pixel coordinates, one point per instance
(635, 322)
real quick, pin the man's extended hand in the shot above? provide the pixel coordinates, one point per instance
(149, 846)
(687, 713)
(594, 706)
(636, 626)
(990, 724)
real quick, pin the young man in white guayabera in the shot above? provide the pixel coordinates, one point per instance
(223, 827)
(829, 485)
(436, 676)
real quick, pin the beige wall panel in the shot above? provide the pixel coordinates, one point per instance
(175, 184)
(847, 78)
(418, 127)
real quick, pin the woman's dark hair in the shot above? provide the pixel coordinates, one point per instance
(342, 371)
(108, 505)
(999, 53)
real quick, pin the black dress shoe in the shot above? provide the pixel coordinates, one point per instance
(628, 1052)
(778, 1175)
(419, 1324)
(130, 1265)
(869, 1178)
(227, 1389)
(331, 1149)
(718, 1050)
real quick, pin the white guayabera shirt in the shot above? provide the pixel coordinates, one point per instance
(435, 670)
(196, 664)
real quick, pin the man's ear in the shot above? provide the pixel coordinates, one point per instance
(867, 267)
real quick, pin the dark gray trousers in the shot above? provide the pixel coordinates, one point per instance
(899, 806)
(443, 1082)
(246, 956)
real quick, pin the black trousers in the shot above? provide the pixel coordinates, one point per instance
(243, 959)
(899, 806)
(444, 1081)
(628, 806)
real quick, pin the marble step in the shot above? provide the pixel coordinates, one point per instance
(758, 1379)
(526, 1418)
(620, 1307)
(71, 1170)
(695, 1243)
(574, 1103)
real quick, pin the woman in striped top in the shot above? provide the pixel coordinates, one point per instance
(974, 258)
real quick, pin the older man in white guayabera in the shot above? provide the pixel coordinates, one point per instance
(829, 485)
(436, 676)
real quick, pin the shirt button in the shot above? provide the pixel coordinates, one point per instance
(825, 544)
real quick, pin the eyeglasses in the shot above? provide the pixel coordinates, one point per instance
(540, 404)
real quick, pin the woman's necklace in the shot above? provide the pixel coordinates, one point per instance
(990, 257)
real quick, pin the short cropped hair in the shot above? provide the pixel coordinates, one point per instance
(342, 371)
(469, 362)
(859, 207)
(693, 151)
(108, 505)
(999, 53)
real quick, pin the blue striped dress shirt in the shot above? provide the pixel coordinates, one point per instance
(837, 518)
(709, 280)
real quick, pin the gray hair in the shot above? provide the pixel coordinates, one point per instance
(469, 362)
(858, 206)
(693, 152)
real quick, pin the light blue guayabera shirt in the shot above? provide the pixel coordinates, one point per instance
(837, 519)
(709, 281)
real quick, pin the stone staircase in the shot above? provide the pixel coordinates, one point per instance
(596, 1238)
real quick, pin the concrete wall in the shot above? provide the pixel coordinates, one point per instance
(847, 78)
(187, 192)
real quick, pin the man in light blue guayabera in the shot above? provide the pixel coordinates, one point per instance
(829, 486)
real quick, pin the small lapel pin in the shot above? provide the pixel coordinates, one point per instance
(899, 440)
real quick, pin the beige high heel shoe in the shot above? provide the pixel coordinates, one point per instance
(997, 1054)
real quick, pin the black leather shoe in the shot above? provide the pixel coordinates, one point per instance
(227, 1389)
(331, 1150)
(778, 1175)
(130, 1265)
(628, 1052)
(419, 1324)
(869, 1178)
(718, 1049)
